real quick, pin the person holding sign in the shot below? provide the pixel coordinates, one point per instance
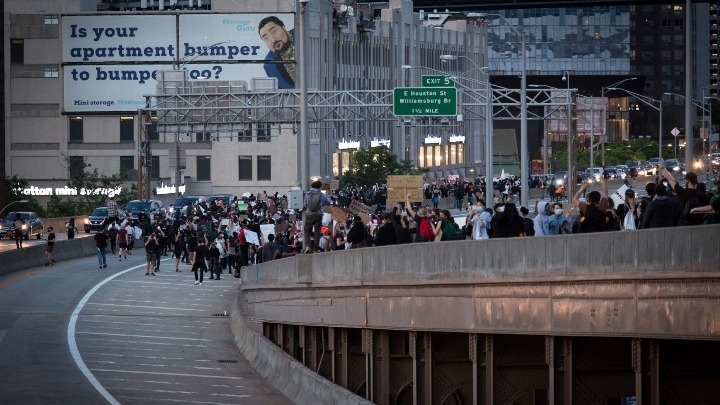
(314, 202)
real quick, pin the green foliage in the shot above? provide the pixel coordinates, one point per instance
(92, 180)
(616, 153)
(13, 192)
(372, 166)
(65, 207)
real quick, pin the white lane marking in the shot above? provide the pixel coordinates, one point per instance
(167, 374)
(72, 343)
(143, 336)
(147, 306)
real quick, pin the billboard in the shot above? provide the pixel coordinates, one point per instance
(110, 61)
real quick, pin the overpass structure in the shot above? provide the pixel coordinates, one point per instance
(611, 318)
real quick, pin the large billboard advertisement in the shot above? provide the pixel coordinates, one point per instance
(110, 62)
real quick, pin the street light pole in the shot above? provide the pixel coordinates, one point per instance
(303, 138)
(568, 100)
(602, 94)
(13, 202)
(489, 190)
(524, 162)
(649, 102)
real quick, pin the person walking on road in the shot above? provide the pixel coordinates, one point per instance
(152, 246)
(18, 232)
(50, 247)
(199, 256)
(122, 242)
(101, 242)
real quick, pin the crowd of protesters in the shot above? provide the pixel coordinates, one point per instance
(213, 236)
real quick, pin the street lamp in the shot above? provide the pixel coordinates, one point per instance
(489, 190)
(14, 202)
(568, 106)
(649, 101)
(602, 94)
(304, 172)
(524, 163)
(702, 105)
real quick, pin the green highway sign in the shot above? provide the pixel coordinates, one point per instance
(437, 81)
(425, 101)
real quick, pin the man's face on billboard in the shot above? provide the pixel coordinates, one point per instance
(275, 37)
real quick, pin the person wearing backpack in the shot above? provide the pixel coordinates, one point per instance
(314, 202)
(425, 231)
(446, 228)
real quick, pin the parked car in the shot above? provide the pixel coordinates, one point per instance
(149, 208)
(33, 225)
(97, 218)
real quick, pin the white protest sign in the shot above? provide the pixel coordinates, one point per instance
(252, 237)
(618, 196)
(266, 230)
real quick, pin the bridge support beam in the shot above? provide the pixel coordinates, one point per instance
(428, 372)
(550, 361)
(568, 365)
(489, 370)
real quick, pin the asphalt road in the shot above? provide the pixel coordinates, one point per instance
(75, 334)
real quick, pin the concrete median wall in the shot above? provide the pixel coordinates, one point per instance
(32, 256)
(297, 382)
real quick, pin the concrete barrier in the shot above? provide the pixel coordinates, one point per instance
(297, 382)
(33, 256)
(58, 224)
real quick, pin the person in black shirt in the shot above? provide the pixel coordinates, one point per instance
(199, 266)
(152, 246)
(50, 247)
(101, 242)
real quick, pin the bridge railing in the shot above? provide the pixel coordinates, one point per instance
(662, 283)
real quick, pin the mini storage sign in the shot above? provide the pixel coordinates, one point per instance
(111, 61)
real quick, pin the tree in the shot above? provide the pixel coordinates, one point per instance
(91, 182)
(372, 166)
(14, 187)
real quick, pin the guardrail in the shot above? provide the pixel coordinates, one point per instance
(656, 282)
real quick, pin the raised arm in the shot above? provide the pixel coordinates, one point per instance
(576, 197)
(408, 207)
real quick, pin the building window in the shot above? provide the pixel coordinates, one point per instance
(263, 168)
(202, 137)
(17, 50)
(245, 168)
(127, 163)
(52, 72)
(76, 166)
(203, 168)
(155, 168)
(263, 133)
(127, 129)
(51, 19)
(76, 129)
